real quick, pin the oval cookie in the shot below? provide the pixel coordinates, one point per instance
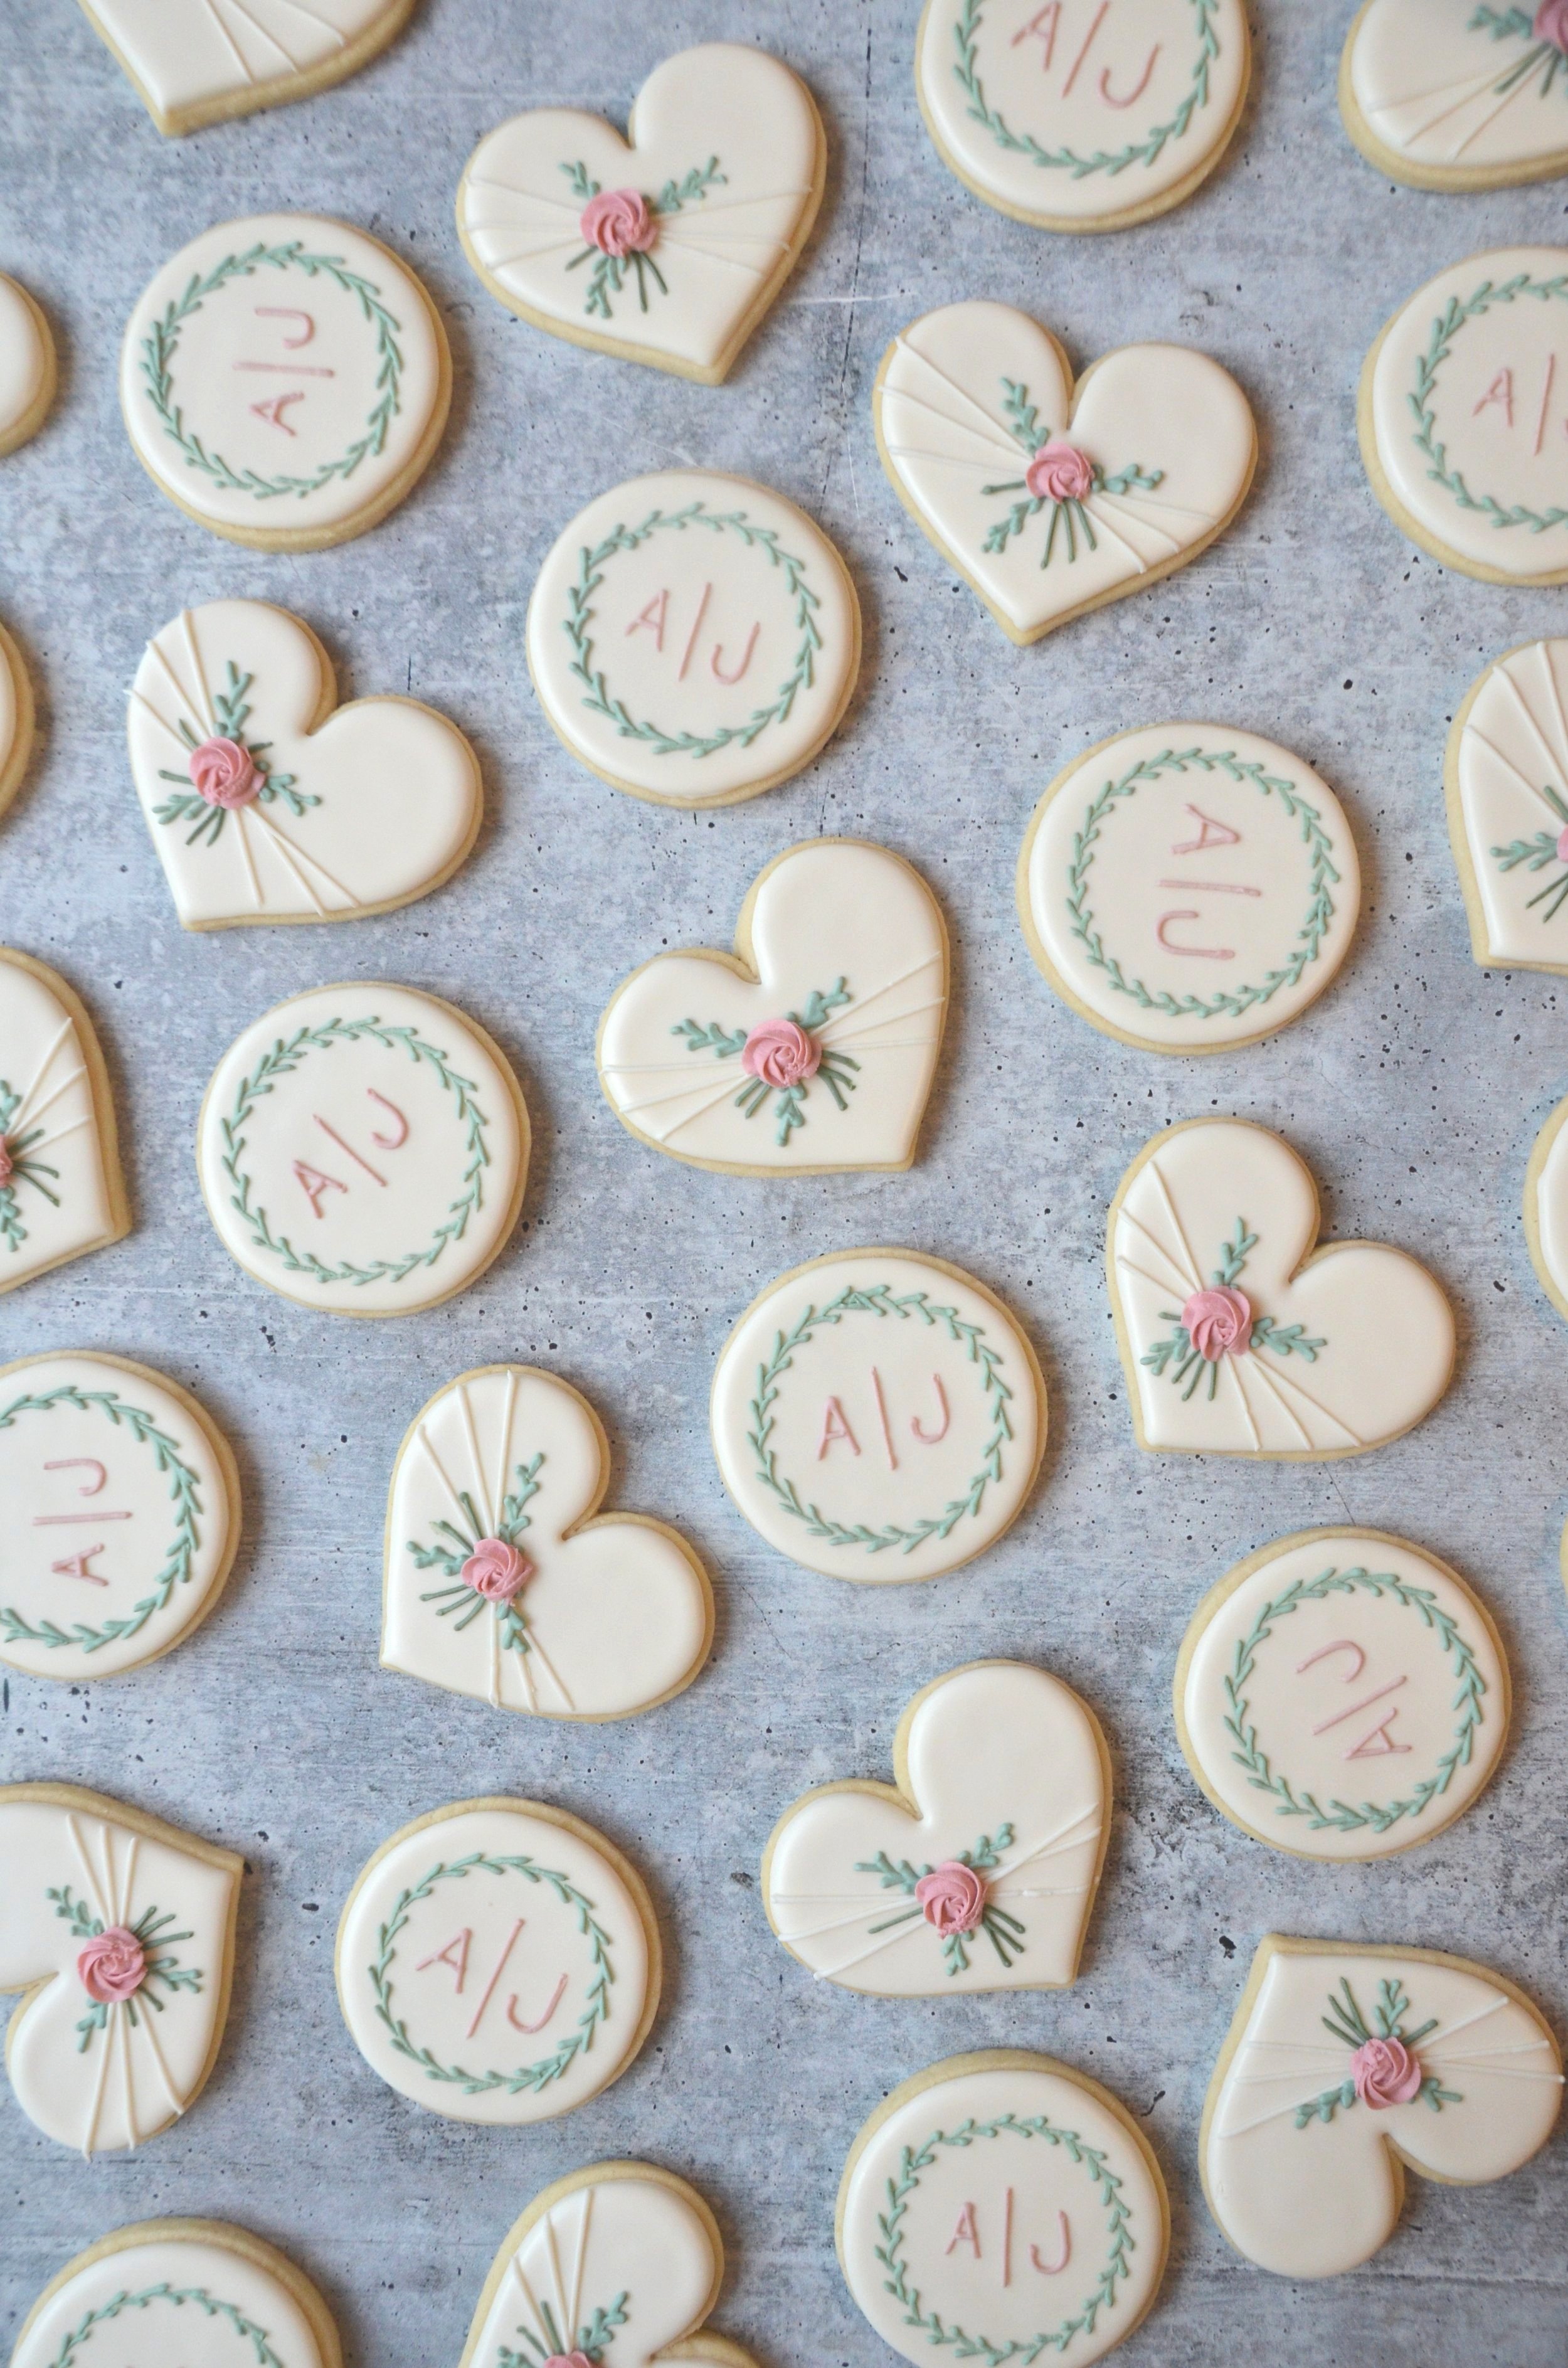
(199, 2291)
(192, 62)
(60, 1191)
(1449, 95)
(27, 367)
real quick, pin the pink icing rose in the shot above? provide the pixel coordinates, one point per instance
(1385, 2071)
(568, 2360)
(781, 1054)
(1218, 1322)
(7, 1164)
(618, 223)
(496, 1570)
(1551, 23)
(952, 1895)
(222, 773)
(1563, 834)
(113, 1965)
(1060, 473)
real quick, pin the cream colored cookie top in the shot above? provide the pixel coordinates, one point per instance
(27, 369)
(1461, 93)
(195, 2291)
(1508, 783)
(59, 1187)
(195, 61)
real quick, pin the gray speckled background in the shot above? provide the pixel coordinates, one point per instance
(1414, 1088)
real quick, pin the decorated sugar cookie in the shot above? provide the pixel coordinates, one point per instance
(1343, 2067)
(619, 2255)
(1238, 1335)
(693, 638)
(28, 367)
(1188, 888)
(1342, 1694)
(498, 1961)
(1546, 1208)
(1506, 776)
(285, 380)
(17, 718)
(266, 801)
(813, 1046)
(1052, 498)
(120, 1501)
(209, 2295)
(503, 1579)
(1453, 95)
(364, 1148)
(1463, 415)
(196, 61)
(60, 1192)
(977, 1871)
(120, 1930)
(667, 247)
(1005, 2205)
(1082, 115)
(879, 1416)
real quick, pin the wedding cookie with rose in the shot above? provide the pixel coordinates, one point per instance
(1184, 848)
(196, 61)
(1052, 497)
(60, 1191)
(1505, 781)
(503, 1579)
(618, 2253)
(813, 1047)
(1321, 1664)
(498, 1961)
(211, 2295)
(17, 719)
(1080, 115)
(1238, 1335)
(1006, 2203)
(363, 1149)
(120, 1932)
(1463, 415)
(1345, 2066)
(1546, 1208)
(667, 247)
(285, 380)
(1453, 95)
(977, 1871)
(879, 1416)
(694, 639)
(266, 801)
(29, 371)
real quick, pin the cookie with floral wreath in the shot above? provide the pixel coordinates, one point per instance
(196, 61)
(1458, 94)
(61, 1189)
(203, 2290)
(29, 371)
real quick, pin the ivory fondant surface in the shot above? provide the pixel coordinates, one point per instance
(195, 61)
(1450, 94)
(60, 1185)
(196, 2290)
(27, 372)
(1507, 776)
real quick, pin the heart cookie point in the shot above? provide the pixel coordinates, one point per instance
(190, 64)
(1442, 95)
(62, 1193)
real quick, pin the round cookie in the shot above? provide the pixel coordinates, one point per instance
(694, 639)
(472, 1912)
(1005, 2203)
(363, 1149)
(285, 380)
(191, 62)
(1505, 786)
(61, 1189)
(1446, 95)
(1184, 848)
(1342, 1695)
(17, 719)
(29, 371)
(1074, 117)
(212, 2294)
(1546, 1208)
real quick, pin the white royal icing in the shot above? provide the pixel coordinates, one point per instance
(1189, 886)
(1006, 1774)
(846, 942)
(167, 2294)
(693, 637)
(1032, 2217)
(1347, 1350)
(1509, 776)
(193, 60)
(26, 362)
(878, 1417)
(366, 809)
(1077, 112)
(1298, 2166)
(603, 1622)
(1546, 1207)
(725, 152)
(512, 1992)
(363, 1148)
(102, 2075)
(56, 1202)
(969, 395)
(1461, 88)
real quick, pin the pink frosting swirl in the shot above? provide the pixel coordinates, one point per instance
(1385, 2071)
(1551, 23)
(1218, 1322)
(496, 1570)
(780, 1052)
(222, 773)
(568, 2360)
(7, 1164)
(1563, 834)
(1060, 473)
(113, 1965)
(952, 1896)
(619, 222)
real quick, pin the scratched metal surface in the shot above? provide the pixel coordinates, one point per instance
(1414, 1088)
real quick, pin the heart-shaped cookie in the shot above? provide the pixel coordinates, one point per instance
(60, 1191)
(500, 1581)
(1238, 1337)
(978, 1871)
(144, 2292)
(1505, 779)
(667, 247)
(195, 61)
(812, 1048)
(1051, 499)
(28, 368)
(1345, 2063)
(265, 799)
(120, 1931)
(618, 2252)
(1444, 95)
